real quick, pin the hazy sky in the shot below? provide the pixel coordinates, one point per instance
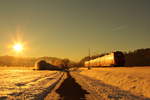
(68, 28)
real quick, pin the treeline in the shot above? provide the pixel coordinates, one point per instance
(139, 57)
(10, 61)
(16, 61)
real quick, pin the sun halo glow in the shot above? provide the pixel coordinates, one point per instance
(18, 47)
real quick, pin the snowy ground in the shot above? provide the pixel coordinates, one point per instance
(26, 84)
(119, 83)
(131, 83)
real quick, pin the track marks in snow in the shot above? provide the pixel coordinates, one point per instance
(106, 91)
(27, 84)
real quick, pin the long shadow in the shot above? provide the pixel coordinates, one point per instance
(70, 90)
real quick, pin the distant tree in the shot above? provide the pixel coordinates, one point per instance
(65, 63)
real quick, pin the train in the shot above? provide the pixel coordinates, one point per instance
(113, 59)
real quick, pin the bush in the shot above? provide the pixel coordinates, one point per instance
(43, 65)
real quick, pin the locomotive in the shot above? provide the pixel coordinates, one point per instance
(113, 59)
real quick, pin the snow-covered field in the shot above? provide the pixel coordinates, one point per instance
(135, 80)
(26, 83)
(118, 83)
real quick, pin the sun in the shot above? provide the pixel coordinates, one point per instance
(18, 47)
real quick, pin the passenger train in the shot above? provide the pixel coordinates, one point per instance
(113, 59)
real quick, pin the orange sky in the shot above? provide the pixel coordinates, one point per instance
(67, 28)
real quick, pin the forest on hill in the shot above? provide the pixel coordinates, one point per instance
(10, 61)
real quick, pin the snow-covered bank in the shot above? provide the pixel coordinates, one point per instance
(26, 84)
(135, 80)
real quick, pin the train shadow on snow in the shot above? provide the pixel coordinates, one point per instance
(70, 90)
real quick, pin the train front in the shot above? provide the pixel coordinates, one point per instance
(119, 58)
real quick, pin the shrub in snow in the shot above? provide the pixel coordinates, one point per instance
(43, 65)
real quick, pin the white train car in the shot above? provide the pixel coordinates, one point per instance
(113, 59)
